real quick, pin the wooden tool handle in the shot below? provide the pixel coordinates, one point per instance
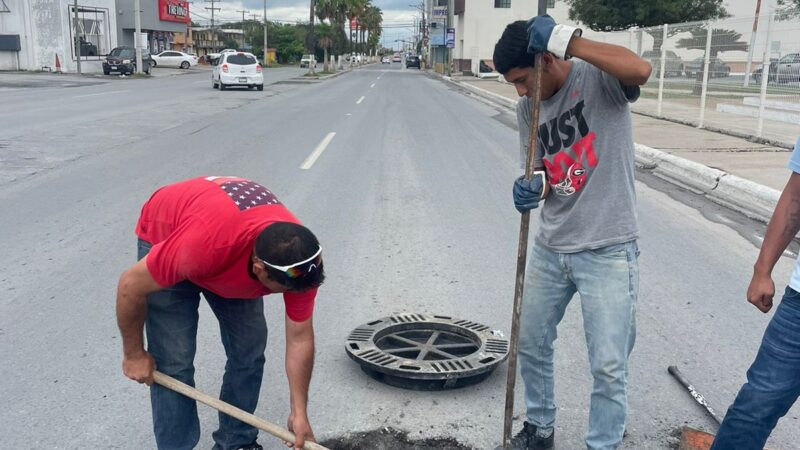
(182, 388)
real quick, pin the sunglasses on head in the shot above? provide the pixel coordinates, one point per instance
(299, 269)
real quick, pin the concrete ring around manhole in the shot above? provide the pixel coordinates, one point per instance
(424, 352)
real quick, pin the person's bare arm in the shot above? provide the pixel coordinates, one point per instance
(299, 365)
(616, 61)
(782, 228)
(134, 285)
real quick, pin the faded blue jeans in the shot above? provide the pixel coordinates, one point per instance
(171, 339)
(773, 382)
(607, 280)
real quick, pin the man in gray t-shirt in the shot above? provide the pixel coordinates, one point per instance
(586, 241)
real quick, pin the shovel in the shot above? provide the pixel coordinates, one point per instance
(182, 388)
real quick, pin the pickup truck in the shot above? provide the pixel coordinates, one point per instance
(214, 57)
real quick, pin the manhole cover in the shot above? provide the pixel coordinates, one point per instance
(417, 351)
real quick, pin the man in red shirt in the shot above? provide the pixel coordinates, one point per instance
(233, 241)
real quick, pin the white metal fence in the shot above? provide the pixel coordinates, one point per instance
(740, 75)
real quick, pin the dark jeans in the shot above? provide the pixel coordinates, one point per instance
(773, 382)
(172, 337)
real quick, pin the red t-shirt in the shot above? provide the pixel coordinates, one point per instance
(204, 229)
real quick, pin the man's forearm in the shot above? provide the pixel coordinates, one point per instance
(616, 61)
(782, 228)
(299, 365)
(131, 314)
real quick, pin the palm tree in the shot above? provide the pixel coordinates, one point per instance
(324, 35)
(373, 18)
(355, 10)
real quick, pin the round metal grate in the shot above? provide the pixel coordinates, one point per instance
(417, 351)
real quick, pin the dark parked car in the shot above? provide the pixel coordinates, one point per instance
(123, 60)
(87, 48)
(773, 70)
(717, 68)
(673, 64)
(412, 61)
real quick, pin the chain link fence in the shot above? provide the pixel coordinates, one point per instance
(739, 75)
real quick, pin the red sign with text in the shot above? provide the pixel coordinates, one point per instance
(173, 10)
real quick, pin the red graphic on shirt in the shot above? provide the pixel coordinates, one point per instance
(568, 149)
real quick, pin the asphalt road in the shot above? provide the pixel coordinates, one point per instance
(411, 201)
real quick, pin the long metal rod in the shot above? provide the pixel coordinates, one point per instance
(184, 389)
(522, 248)
(673, 370)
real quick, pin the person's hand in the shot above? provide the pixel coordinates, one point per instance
(761, 291)
(298, 424)
(527, 193)
(139, 367)
(545, 36)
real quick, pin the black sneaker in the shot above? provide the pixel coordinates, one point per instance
(253, 446)
(527, 439)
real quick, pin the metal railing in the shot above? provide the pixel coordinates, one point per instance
(739, 75)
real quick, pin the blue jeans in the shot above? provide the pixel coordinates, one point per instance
(607, 280)
(773, 382)
(171, 339)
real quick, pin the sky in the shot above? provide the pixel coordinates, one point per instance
(398, 16)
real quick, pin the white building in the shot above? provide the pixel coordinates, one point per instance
(34, 32)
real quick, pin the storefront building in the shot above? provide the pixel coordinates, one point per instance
(161, 20)
(34, 33)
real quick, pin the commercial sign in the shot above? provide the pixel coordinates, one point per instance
(451, 38)
(440, 12)
(173, 10)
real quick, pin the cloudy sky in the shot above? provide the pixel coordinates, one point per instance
(397, 14)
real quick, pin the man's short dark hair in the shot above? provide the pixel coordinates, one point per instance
(512, 49)
(284, 244)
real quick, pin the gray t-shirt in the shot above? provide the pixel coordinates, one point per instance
(586, 148)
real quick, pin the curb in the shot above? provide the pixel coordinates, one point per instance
(754, 200)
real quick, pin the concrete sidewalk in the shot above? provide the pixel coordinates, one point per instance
(700, 159)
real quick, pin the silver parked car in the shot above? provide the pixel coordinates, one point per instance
(787, 69)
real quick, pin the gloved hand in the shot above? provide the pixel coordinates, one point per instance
(545, 36)
(527, 193)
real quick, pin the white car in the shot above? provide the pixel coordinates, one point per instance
(237, 69)
(173, 58)
(212, 57)
(386, 60)
(308, 61)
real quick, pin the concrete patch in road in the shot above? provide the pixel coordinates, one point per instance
(390, 439)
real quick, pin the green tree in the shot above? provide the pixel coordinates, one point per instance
(604, 15)
(721, 41)
(355, 10)
(373, 21)
(788, 9)
(324, 33)
(231, 43)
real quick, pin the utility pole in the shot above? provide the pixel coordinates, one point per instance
(215, 44)
(752, 44)
(243, 19)
(449, 53)
(77, 37)
(212, 9)
(310, 46)
(137, 34)
(266, 52)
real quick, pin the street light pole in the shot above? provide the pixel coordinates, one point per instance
(77, 37)
(137, 34)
